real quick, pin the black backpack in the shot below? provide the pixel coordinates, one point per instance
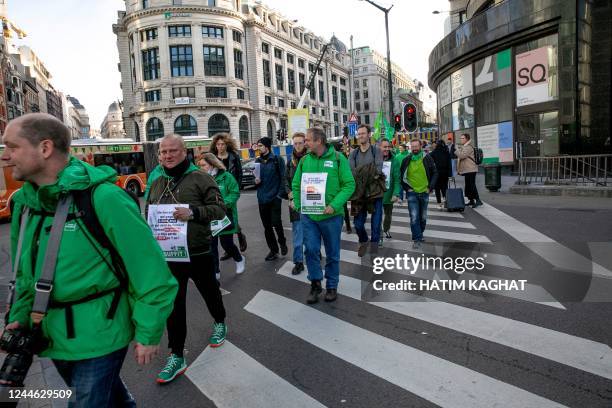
(478, 155)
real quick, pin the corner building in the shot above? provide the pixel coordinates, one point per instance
(526, 78)
(199, 67)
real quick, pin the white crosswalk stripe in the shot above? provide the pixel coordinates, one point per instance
(232, 379)
(435, 379)
(433, 221)
(573, 351)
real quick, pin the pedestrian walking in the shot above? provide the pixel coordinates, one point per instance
(270, 191)
(467, 167)
(403, 152)
(366, 163)
(450, 145)
(224, 146)
(418, 178)
(297, 230)
(102, 280)
(231, 193)
(182, 182)
(323, 182)
(346, 150)
(442, 159)
(391, 167)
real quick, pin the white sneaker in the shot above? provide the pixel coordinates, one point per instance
(240, 266)
(441, 205)
(218, 275)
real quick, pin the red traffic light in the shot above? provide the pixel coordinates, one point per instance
(398, 118)
(410, 109)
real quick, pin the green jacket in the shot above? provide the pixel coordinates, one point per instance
(340, 182)
(394, 189)
(80, 271)
(154, 175)
(228, 186)
(198, 189)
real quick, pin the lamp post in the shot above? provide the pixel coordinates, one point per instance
(389, 75)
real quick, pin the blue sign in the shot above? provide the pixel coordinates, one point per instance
(352, 129)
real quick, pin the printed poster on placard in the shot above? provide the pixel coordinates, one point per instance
(313, 193)
(170, 233)
(387, 172)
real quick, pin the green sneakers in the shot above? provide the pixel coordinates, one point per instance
(218, 337)
(175, 366)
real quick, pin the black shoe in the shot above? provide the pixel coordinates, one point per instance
(388, 235)
(478, 203)
(297, 268)
(242, 242)
(225, 257)
(315, 291)
(331, 295)
(284, 250)
(349, 230)
(272, 256)
(470, 203)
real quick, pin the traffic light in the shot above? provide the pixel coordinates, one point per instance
(397, 122)
(411, 122)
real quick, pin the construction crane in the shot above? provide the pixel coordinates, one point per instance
(7, 26)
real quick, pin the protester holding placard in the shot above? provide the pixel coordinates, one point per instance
(230, 193)
(182, 182)
(322, 184)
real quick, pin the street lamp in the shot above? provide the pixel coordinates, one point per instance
(389, 78)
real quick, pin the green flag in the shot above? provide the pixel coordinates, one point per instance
(389, 130)
(378, 125)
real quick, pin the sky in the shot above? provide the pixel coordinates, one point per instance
(75, 40)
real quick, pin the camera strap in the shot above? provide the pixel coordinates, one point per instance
(44, 285)
(22, 226)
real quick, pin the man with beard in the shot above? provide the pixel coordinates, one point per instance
(299, 150)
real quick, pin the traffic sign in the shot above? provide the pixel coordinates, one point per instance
(352, 127)
(353, 117)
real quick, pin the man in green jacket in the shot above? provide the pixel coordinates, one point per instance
(88, 349)
(322, 184)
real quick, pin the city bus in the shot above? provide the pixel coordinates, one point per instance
(123, 155)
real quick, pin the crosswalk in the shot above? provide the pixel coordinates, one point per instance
(232, 377)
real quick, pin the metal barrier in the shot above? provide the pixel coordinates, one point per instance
(588, 170)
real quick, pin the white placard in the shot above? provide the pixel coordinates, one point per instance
(170, 233)
(257, 170)
(313, 193)
(387, 172)
(182, 101)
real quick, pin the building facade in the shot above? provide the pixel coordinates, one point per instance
(75, 117)
(526, 78)
(112, 125)
(209, 66)
(371, 90)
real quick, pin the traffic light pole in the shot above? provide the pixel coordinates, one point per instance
(389, 73)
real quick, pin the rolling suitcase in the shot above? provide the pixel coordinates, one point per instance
(454, 198)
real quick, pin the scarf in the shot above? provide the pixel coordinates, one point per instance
(418, 156)
(177, 171)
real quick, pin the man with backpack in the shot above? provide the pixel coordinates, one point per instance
(468, 159)
(322, 184)
(270, 192)
(89, 275)
(299, 151)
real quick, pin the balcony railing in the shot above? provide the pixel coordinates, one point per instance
(588, 170)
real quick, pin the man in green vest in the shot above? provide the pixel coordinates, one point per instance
(418, 176)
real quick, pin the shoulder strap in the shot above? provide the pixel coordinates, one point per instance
(25, 215)
(44, 285)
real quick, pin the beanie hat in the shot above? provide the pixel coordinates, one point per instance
(266, 141)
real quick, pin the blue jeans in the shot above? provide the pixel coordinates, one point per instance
(298, 241)
(417, 207)
(360, 220)
(331, 230)
(96, 381)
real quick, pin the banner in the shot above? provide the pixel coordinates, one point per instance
(496, 142)
(532, 77)
(313, 193)
(297, 121)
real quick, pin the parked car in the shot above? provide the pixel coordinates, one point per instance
(248, 173)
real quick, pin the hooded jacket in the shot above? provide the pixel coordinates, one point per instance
(290, 173)
(198, 189)
(272, 176)
(228, 186)
(430, 171)
(340, 182)
(80, 270)
(394, 185)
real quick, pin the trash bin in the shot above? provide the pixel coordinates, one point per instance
(492, 173)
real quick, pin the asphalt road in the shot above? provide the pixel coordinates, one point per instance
(459, 349)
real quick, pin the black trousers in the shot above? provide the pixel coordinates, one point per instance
(347, 217)
(388, 211)
(471, 192)
(270, 214)
(201, 272)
